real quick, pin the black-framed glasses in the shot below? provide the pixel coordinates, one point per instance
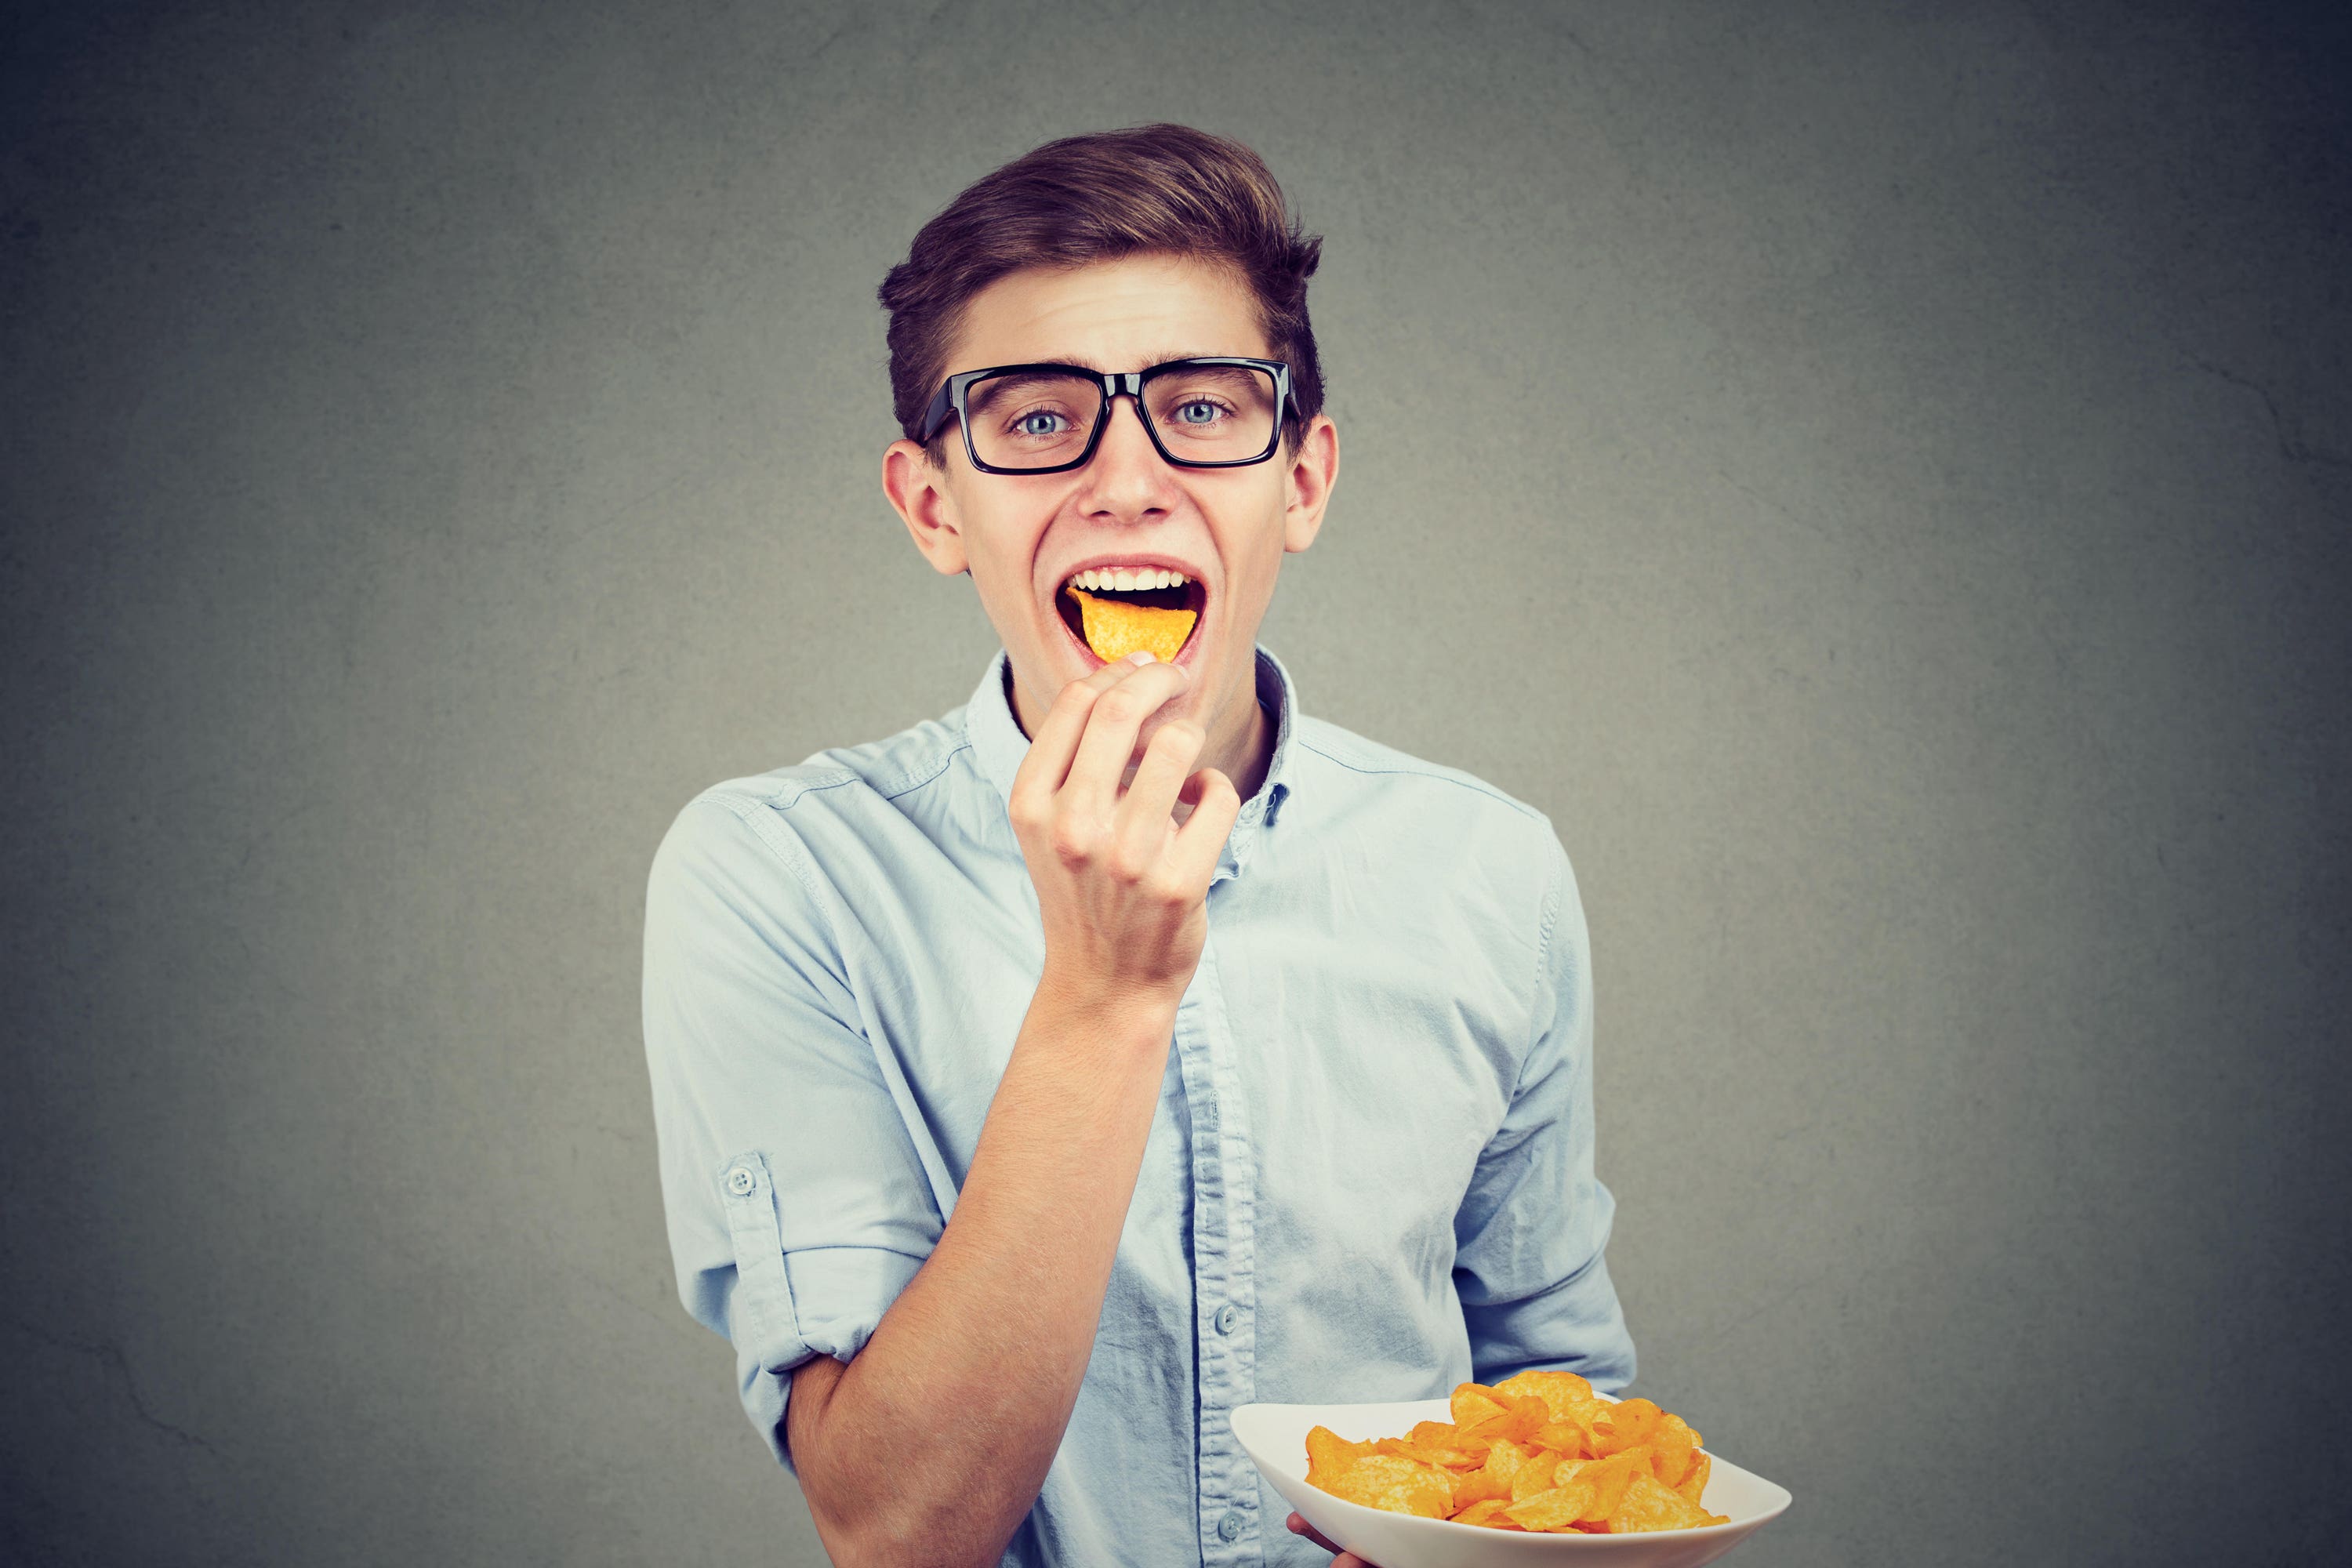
(1210, 413)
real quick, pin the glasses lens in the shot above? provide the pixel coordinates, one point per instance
(1032, 419)
(1213, 413)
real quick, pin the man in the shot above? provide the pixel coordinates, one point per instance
(1041, 1084)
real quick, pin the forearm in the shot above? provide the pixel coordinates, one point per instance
(932, 1444)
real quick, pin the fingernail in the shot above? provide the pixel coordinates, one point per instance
(1141, 655)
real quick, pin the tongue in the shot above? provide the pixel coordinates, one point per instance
(1116, 628)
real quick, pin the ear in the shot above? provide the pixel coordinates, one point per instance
(919, 490)
(1313, 471)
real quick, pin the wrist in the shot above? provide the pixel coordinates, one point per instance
(1107, 1008)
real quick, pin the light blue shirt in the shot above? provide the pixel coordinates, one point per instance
(1370, 1171)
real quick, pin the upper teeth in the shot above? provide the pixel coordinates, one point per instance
(1120, 580)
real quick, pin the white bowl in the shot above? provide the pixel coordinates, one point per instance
(1276, 1437)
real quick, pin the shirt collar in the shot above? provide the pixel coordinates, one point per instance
(999, 745)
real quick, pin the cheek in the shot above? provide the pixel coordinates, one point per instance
(999, 563)
(1004, 531)
(1253, 585)
(1251, 541)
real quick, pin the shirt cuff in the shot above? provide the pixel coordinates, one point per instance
(785, 1308)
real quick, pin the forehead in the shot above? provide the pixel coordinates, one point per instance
(1112, 315)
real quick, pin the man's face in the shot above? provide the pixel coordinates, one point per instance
(1024, 537)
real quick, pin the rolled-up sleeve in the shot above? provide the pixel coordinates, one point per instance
(1531, 1230)
(797, 1206)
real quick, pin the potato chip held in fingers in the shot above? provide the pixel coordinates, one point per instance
(1116, 628)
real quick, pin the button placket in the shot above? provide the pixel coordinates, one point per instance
(1225, 1212)
(1208, 1219)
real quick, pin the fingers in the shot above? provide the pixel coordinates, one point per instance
(1145, 816)
(1112, 726)
(1069, 784)
(1299, 1526)
(1056, 744)
(1215, 806)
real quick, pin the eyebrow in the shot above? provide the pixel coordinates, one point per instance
(1084, 364)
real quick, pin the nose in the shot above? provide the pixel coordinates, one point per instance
(1129, 480)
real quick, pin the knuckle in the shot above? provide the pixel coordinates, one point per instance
(1168, 886)
(1073, 841)
(1121, 705)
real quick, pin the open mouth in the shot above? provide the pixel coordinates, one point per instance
(1111, 620)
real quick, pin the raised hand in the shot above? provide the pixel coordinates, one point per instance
(1122, 884)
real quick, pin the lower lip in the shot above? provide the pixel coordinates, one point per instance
(1183, 655)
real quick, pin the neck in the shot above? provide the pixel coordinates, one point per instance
(1249, 755)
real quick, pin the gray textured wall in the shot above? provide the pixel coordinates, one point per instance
(1878, 475)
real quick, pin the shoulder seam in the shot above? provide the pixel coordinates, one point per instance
(753, 815)
(1427, 771)
(909, 783)
(789, 793)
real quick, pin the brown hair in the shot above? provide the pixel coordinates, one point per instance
(1151, 189)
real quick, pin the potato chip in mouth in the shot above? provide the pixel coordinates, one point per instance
(1116, 628)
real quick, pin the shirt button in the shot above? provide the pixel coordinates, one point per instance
(1229, 1528)
(739, 1181)
(1228, 1316)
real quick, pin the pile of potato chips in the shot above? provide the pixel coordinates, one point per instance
(1537, 1452)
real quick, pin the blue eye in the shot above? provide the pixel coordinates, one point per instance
(1039, 424)
(1197, 412)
